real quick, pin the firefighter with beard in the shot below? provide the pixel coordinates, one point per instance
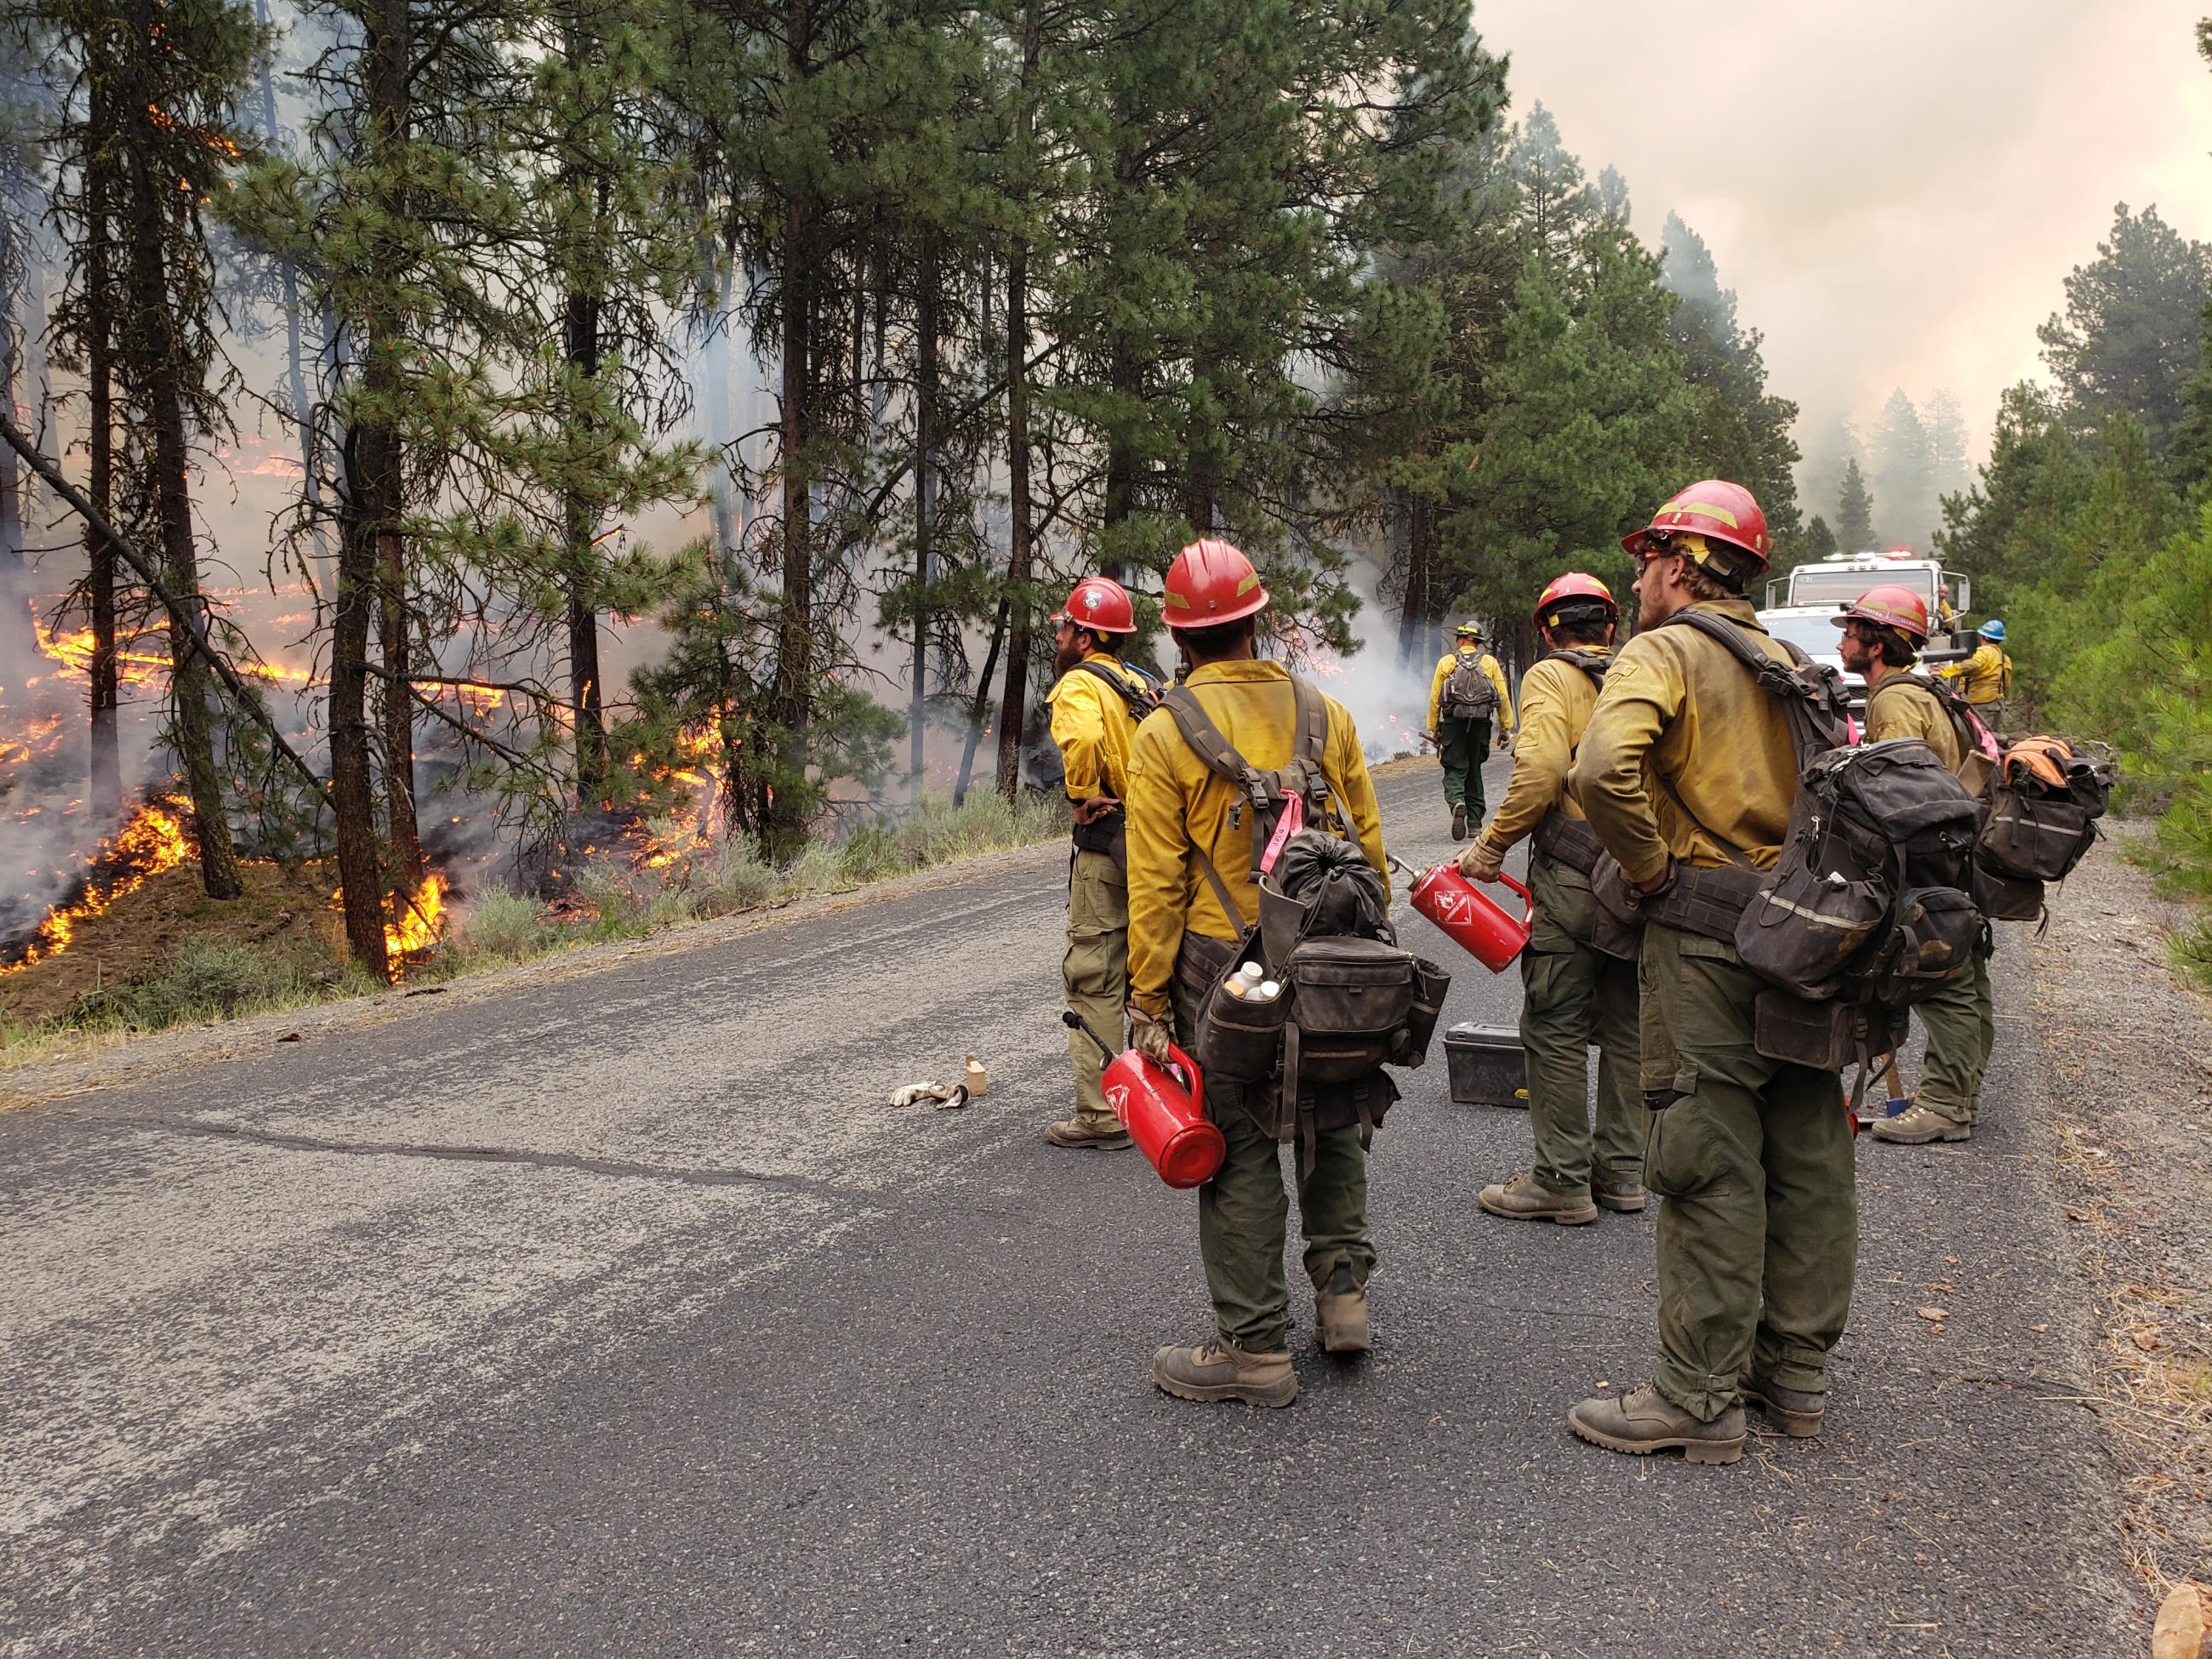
(1095, 704)
(1687, 774)
(1575, 992)
(1184, 817)
(1883, 633)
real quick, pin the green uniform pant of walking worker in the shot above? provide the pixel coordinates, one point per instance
(1243, 1212)
(1575, 995)
(1962, 1029)
(1095, 972)
(1759, 1232)
(1463, 745)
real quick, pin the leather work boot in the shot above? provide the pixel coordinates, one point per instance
(1341, 1314)
(1459, 820)
(1916, 1125)
(1524, 1198)
(1647, 1421)
(1793, 1411)
(1106, 1136)
(1219, 1369)
(1617, 1192)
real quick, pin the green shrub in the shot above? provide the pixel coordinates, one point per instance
(499, 928)
(873, 852)
(736, 880)
(204, 980)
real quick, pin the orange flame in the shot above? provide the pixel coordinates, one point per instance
(153, 840)
(420, 922)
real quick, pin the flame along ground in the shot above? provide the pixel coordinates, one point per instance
(152, 842)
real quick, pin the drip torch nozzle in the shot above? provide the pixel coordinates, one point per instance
(1075, 1021)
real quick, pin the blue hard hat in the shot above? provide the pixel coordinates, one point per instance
(1993, 629)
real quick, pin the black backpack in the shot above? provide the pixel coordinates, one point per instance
(1869, 902)
(1350, 1000)
(1469, 694)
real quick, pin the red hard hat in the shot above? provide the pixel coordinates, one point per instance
(1212, 582)
(1715, 509)
(1890, 607)
(1575, 585)
(1100, 603)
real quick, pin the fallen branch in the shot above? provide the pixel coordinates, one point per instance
(150, 574)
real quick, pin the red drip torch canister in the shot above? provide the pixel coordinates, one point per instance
(1476, 921)
(1168, 1123)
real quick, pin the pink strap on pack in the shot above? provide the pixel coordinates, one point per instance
(1292, 821)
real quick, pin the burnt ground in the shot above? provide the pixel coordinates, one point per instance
(609, 1309)
(284, 909)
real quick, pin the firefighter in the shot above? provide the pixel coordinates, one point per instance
(1985, 677)
(1095, 704)
(1574, 994)
(1467, 692)
(1687, 775)
(1882, 635)
(1180, 939)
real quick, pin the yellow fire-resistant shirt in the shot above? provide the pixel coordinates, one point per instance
(1898, 707)
(1684, 754)
(1556, 700)
(1985, 677)
(1491, 671)
(1176, 803)
(1091, 723)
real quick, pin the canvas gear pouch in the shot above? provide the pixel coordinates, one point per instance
(1867, 898)
(1469, 694)
(1827, 1036)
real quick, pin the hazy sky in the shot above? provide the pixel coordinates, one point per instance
(1895, 189)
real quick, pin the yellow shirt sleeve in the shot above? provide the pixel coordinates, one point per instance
(1437, 690)
(1505, 697)
(1542, 757)
(1641, 694)
(1159, 855)
(1078, 727)
(1346, 765)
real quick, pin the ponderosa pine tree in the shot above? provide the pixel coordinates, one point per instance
(1742, 431)
(1854, 510)
(2129, 336)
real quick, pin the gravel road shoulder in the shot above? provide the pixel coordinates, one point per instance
(2128, 1048)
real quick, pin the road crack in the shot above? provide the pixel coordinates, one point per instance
(612, 1168)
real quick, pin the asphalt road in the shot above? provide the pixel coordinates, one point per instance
(620, 1315)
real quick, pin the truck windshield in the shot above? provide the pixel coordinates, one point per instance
(1816, 636)
(1811, 585)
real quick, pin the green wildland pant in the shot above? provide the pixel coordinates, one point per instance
(1463, 745)
(1962, 1029)
(1573, 996)
(1095, 972)
(1759, 1233)
(1243, 1212)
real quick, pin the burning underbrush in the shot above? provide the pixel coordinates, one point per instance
(141, 947)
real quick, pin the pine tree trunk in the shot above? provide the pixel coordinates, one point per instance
(790, 702)
(580, 317)
(1419, 516)
(1013, 707)
(106, 793)
(925, 505)
(395, 705)
(387, 487)
(366, 516)
(159, 389)
(980, 705)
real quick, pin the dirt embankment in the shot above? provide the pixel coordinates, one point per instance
(287, 909)
(2130, 1048)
